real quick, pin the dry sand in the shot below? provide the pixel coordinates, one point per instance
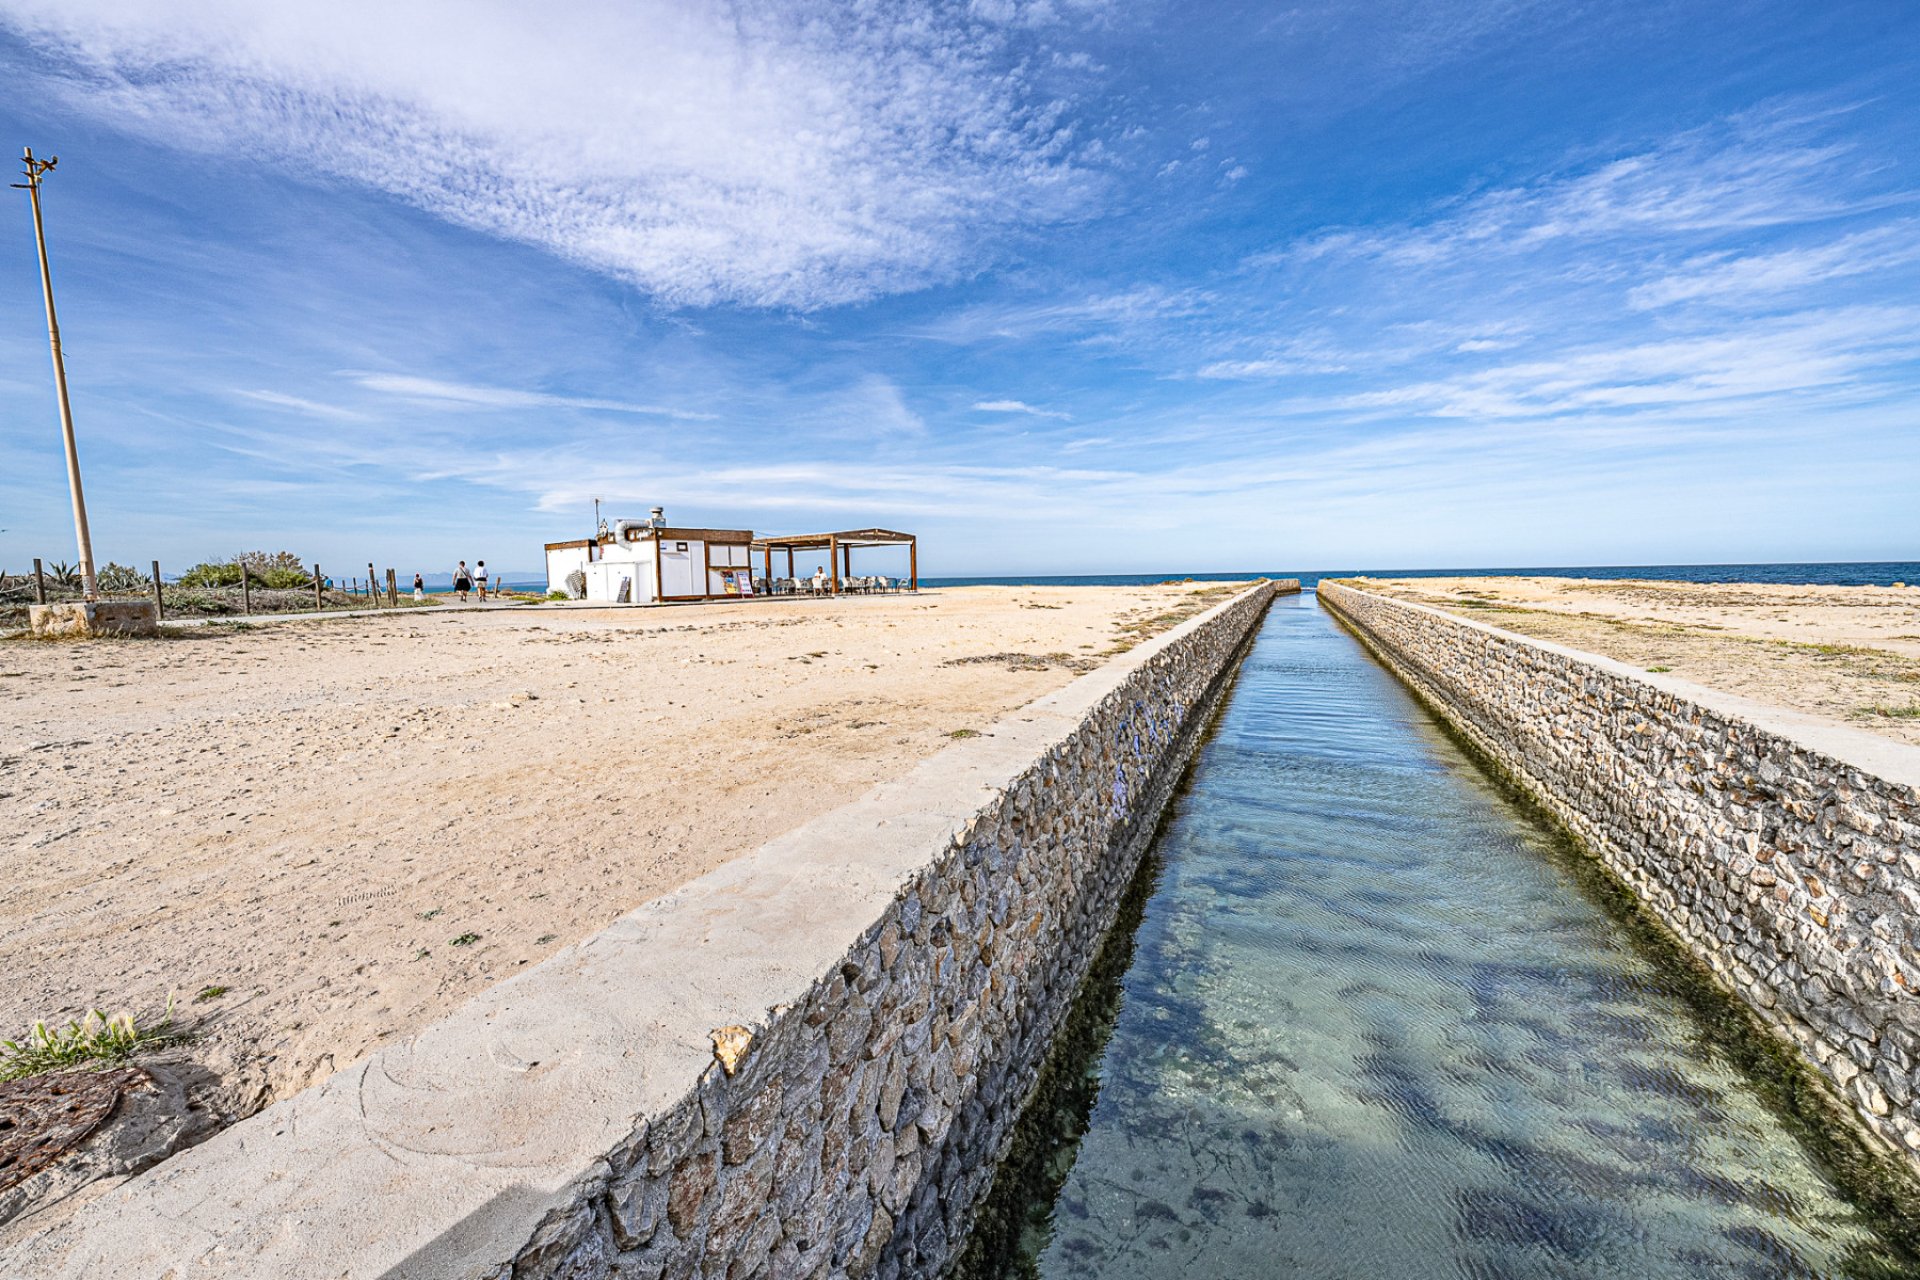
(1847, 653)
(353, 825)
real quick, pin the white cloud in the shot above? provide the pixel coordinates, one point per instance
(1105, 313)
(790, 153)
(483, 397)
(312, 408)
(1730, 278)
(1016, 406)
(873, 408)
(1830, 352)
(1763, 169)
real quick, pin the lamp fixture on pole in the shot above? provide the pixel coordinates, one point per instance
(35, 170)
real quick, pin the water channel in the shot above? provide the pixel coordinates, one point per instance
(1374, 1020)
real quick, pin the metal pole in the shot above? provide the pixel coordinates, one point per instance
(39, 583)
(33, 171)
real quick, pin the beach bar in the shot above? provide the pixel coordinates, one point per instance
(651, 562)
(839, 547)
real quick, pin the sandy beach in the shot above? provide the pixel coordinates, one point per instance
(316, 835)
(1851, 654)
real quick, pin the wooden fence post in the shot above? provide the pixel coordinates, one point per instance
(318, 603)
(373, 588)
(246, 591)
(39, 583)
(159, 605)
(393, 591)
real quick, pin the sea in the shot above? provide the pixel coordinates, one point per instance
(1839, 573)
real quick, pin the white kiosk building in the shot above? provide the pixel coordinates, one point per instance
(650, 562)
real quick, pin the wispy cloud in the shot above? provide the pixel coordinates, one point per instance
(1760, 169)
(468, 395)
(1100, 313)
(312, 408)
(1017, 406)
(1737, 279)
(796, 154)
(1822, 351)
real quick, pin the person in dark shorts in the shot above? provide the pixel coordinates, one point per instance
(462, 581)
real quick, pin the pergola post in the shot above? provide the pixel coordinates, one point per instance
(913, 564)
(833, 558)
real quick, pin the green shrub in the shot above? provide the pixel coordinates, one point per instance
(277, 571)
(119, 579)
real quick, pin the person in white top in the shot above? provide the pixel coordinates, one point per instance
(480, 579)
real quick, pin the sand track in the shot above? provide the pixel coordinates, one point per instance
(352, 825)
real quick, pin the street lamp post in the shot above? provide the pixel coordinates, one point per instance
(34, 171)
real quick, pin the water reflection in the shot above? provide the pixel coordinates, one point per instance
(1371, 1028)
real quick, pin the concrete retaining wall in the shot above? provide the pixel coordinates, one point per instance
(805, 1064)
(1782, 849)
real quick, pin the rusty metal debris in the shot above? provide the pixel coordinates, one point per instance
(42, 1118)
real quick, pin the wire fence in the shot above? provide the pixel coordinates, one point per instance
(235, 590)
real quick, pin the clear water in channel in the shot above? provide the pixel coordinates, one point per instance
(1374, 1027)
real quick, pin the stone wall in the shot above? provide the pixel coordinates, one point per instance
(1784, 851)
(806, 1064)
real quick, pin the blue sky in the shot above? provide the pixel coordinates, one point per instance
(1062, 286)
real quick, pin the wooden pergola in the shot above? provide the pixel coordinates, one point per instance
(839, 548)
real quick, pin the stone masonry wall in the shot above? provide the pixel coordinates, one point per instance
(861, 1127)
(1794, 873)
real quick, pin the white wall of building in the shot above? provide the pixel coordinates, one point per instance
(562, 561)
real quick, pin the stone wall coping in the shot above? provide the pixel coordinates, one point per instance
(439, 1156)
(1897, 762)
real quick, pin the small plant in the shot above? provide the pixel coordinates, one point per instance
(209, 993)
(963, 733)
(1886, 711)
(464, 940)
(422, 954)
(428, 915)
(545, 938)
(1659, 669)
(95, 1038)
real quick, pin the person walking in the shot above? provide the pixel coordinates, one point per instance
(480, 578)
(462, 581)
(419, 588)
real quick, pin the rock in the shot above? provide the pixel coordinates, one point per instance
(730, 1045)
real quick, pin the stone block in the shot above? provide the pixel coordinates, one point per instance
(79, 620)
